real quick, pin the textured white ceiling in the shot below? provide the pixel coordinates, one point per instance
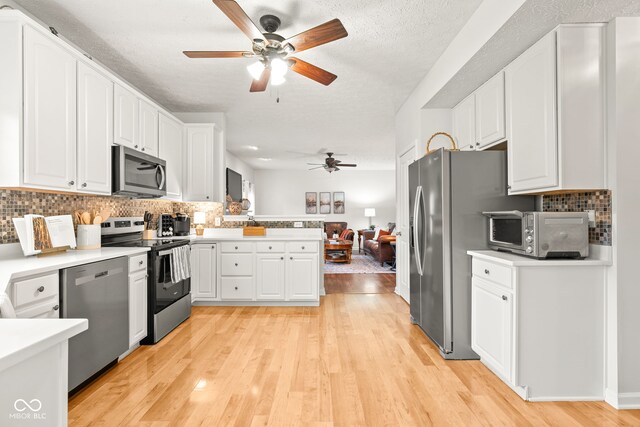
(533, 20)
(390, 47)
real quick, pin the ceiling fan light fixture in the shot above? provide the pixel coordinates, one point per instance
(256, 70)
(277, 80)
(279, 67)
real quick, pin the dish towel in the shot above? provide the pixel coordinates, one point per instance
(180, 263)
(6, 309)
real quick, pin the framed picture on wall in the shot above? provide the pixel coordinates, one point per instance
(338, 202)
(325, 202)
(311, 202)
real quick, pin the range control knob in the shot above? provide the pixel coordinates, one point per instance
(529, 239)
(529, 249)
(527, 231)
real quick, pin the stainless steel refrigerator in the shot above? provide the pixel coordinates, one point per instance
(449, 190)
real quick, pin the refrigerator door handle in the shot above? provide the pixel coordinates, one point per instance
(416, 218)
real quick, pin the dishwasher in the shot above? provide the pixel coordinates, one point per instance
(98, 292)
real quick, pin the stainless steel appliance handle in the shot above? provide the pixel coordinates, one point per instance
(168, 251)
(503, 214)
(161, 169)
(416, 245)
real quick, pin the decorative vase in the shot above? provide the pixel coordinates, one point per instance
(246, 204)
(235, 208)
(88, 236)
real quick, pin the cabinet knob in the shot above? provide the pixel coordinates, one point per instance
(486, 271)
(236, 248)
(282, 258)
(508, 187)
(84, 185)
(291, 258)
(140, 262)
(41, 289)
(477, 144)
(142, 148)
(135, 146)
(207, 197)
(56, 307)
(504, 297)
(236, 264)
(72, 182)
(213, 246)
(303, 247)
(471, 146)
(236, 288)
(269, 247)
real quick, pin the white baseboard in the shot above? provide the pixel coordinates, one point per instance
(622, 400)
(403, 291)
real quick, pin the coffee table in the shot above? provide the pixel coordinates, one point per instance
(345, 246)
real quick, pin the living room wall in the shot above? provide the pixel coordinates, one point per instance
(283, 193)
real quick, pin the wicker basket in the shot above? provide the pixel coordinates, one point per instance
(454, 147)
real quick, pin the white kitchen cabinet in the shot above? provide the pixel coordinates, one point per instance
(49, 113)
(555, 112)
(270, 276)
(302, 277)
(171, 150)
(491, 320)
(95, 131)
(204, 273)
(464, 123)
(489, 112)
(137, 307)
(36, 296)
(199, 174)
(126, 117)
(528, 323)
(148, 115)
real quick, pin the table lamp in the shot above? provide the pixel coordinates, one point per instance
(199, 218)
(370, 212)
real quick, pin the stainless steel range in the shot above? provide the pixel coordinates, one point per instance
(169, 303)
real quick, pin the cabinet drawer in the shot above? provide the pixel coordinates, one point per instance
(47, 309)
(236, 288)
(495, 273)
(236, 265)
(35, 289)
(237, 247)
(267, 247)
(302, 247)
(137, 263)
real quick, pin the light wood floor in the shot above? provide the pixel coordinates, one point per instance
(356, 360)
(379, 283)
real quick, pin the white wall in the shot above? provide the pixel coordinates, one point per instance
(623, 281)
(283, 193)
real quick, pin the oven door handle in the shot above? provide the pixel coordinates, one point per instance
(503, 214)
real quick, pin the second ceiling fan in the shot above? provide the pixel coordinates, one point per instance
(272, 50)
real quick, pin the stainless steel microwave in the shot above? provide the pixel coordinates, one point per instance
(136, 174)
(540, 234)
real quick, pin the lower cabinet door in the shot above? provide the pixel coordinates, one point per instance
(204, 271)
(302, 276)
(492, 325)
(137, 307)
(270, 277)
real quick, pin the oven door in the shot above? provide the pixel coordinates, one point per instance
(136, 174)
(166, 292)
(506, 230)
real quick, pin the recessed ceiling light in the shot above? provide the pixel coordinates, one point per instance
(265, 159)
(252, 147)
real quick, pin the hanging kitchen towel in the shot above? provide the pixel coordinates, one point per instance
(180, 263)
(6, 309)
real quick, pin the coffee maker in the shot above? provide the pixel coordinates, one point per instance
(181, 225)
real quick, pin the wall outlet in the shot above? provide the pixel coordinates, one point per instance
(592, 218)
(218, 221)
(297, 224)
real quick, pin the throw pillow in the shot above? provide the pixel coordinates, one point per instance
(393, 233)
(377, 234)
(382, 233)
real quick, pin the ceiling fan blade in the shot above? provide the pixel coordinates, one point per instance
(317, 167)
(347, 165)
(311, 71)
(217, 54)
(325, 33)
(238, 16)
(315, 164)
(261, 85)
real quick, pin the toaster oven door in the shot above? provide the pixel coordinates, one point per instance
(506, 230)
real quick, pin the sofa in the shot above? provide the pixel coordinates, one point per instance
(334, 227)
(380, 249)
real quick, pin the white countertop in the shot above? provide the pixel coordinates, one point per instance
(303, 217)
(513, 260)
(14, 265)
(23, 338)
(213, 235)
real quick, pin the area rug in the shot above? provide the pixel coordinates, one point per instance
(360, 263)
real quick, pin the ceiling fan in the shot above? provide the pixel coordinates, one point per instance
(331, 165)
(272, 50)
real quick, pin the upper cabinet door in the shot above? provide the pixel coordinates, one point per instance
(531, 118)
(199, 173)
(125, 118)
(148, 128)
(464, 123)
(171, 149)
(49, 113)
(95, 130)
(490, 112)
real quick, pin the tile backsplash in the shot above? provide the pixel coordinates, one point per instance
(599, 201)
(17, 203)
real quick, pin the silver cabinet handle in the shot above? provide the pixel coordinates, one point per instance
(56, 307)
(282, 257)
(142, 148)
(303, 248)
(72, 182)
(269, 247)
(135, 146)
(207, 197)
(508, 187)
(140, 262)
(236, 264)
(291, 258)
(504, 297)
(41, 289)
(236, 288)
(213, 246)
(84, 185)
(486, 271)
(236, 248)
